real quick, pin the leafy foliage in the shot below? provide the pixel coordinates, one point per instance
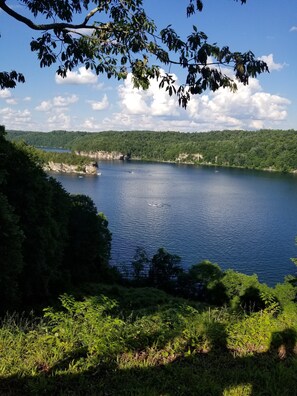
(10, 79)
(117, 37)
(11, 239)
(164, 345)
(49, 239)
(86, 325)
(164, 268)
(208, 283)
(140, 263)
(43, 157)
(88, 252)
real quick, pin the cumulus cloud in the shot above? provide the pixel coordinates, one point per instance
(59, 121)
(154, 100)
(45, 105)
(56, 102)
(15, 119)
(270, 62)
(79, 77)
(5, 93)
(293, 29)
(101, 105)
(248, 108)
(91, 124)
(62, 101)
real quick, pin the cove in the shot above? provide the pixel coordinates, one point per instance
(241, 219)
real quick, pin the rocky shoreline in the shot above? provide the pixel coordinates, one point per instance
(89, 169)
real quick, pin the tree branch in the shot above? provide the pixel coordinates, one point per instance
(91, 14)
(49, 26)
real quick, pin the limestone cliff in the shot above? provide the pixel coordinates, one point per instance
(90, 169)
(102, 155)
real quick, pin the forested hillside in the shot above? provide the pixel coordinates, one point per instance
(45, 233)
(265, 149)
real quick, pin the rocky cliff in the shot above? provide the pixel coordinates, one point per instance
(102, 155)
(90, 169)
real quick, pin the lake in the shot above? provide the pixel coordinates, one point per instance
(240, 219)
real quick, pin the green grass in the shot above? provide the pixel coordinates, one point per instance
(125, 341)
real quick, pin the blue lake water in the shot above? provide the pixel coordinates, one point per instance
(244, 220)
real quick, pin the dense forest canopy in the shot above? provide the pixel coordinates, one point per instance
(49, 239)
(264, 149)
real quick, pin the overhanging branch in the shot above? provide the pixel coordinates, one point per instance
(47, 26)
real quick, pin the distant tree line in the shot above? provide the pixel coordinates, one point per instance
(264, 149)
(50, 241)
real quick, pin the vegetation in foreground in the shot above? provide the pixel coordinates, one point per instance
(127, 341)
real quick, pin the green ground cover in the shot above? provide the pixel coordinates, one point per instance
(127, 341)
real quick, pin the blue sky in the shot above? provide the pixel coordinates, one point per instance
(87, 102)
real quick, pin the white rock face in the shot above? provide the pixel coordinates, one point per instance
(101, 155)
(90, 169)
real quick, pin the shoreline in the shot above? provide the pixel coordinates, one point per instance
(112, 156)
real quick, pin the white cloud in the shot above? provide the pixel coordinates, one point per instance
(59, 121)
(11, 101)
(15, 119)
(270, 62)
(5, 93)
(91, 124)
(248, 108)
(56, 102)
(81, 76)
(293, 29)
(132, 100)
(154, 100)
(60, 101)
(101, 105)
(45, 105)
(27, 99)
(245, 109)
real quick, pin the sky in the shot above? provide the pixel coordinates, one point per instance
(86, 102)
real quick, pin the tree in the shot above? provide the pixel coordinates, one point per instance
(38, 206)
(203, 282)
(139, 263)
(88, 251)
(11, 239)
(164, 268)
(49, 240)
(115, 37)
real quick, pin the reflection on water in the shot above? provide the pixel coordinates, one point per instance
(240, 219)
